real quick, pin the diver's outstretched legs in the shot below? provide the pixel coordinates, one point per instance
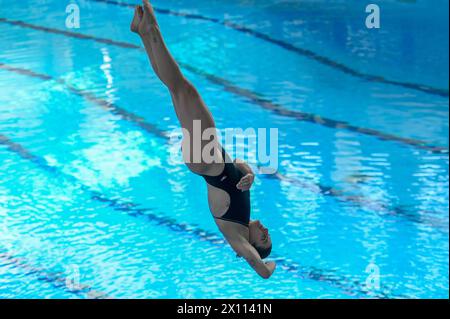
(189, 106)
(145, 24)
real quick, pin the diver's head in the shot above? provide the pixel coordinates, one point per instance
(259, 238)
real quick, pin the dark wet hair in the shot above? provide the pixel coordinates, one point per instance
(263, 252)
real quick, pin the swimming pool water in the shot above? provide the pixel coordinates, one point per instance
(89, 193)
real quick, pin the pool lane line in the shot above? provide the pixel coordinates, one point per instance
(116, 110)
(329, 62)
(374, 206)
(277, 109)
(378, 207)
(253, 97)
(350, 286)
(108, 106)
(56, 279)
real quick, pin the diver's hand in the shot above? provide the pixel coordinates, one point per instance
(246, 182)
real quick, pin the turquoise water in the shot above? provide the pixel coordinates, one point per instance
(89, 194)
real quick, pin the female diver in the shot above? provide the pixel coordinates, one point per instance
(228, 182)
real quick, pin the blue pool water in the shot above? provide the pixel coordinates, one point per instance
(92, 205)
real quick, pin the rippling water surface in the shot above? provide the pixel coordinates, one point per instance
(90, 195)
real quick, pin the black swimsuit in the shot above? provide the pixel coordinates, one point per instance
(239, 210)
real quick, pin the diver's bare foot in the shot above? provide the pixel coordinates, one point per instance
(148, 20)
(148, 11)
(144, 19)
(138, 14)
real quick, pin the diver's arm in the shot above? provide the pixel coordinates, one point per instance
(244, 249)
